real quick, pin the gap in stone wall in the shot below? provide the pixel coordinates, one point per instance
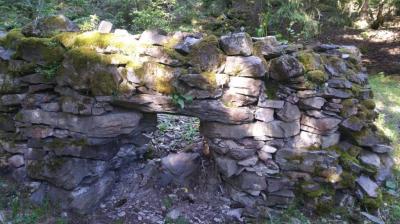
(175, 134)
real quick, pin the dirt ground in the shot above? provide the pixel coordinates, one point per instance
(380, 48)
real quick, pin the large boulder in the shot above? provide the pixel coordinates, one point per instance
(285, 68)
(237, 44)
(245, 66)
(205, 56)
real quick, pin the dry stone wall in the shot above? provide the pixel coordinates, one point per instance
(281, 121)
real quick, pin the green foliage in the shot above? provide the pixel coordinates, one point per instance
(49, 72)
(180, 100)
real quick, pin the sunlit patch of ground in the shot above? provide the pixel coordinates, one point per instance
(387, 98)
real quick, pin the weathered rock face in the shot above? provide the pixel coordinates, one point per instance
(75, 107)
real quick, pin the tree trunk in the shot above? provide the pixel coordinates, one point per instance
(379, 18)
(364, 11)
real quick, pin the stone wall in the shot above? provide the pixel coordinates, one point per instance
(281, 121)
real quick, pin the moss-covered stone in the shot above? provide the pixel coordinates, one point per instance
(86, 56)
(310, 60)
(158, 77)
(271, 89)
(205, 56)
(12, 39)
(369, 104)
(67, 39)
(103, 84)
(311, 189)
(348, 180)
(126, 44)
(317, 76)
(372, 204)
(42, 51)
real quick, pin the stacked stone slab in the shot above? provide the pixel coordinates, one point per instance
(282, 121)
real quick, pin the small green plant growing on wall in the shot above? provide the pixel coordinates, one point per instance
(180, 100)
(49, 72)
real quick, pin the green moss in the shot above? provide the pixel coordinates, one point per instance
(314, 148)
(372, 204)
(85, 56)
(99, 40)
(271, 89)
(20, 68)
(307, 189)
(317, 76)
(204, 52)
(43, 50)
(67, 39)
(311, 61)
(103, 84)
(325, 207)
(369, 104)
(12, 39)
(348, 180)
(176, 55)
(211, 78)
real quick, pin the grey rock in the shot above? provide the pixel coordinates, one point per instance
(305, 160)
(325, 47)
(312, 103)
(289, 112)
(250, 183)
(385, 172)
(186, 45)
(105, 27)
(340, 83)
(264, 169)
(245, 66)
(16, 161)
(382, 148)
(249, 162)
(228, 167)
(12, 99)
(109, 125)
(322, 124)
(275, 129)
(66, 173)
(50, 107)
(269, 149)
(264, 114)
(84, 200)
(234, 98)
(307, 139)
(369, 186)
(153, 37)
(268, 50)
(237, 44)
(6, 54)
(241, 152)
(246, 86)
(174, 214)
(370, 159)
(275, 104)
(181, 165)
(264, 156)
(353, 124)
(285, 68)
(329, 92)
(372, 218)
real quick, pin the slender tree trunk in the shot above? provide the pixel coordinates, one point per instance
(379, 18)
(364, 10)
